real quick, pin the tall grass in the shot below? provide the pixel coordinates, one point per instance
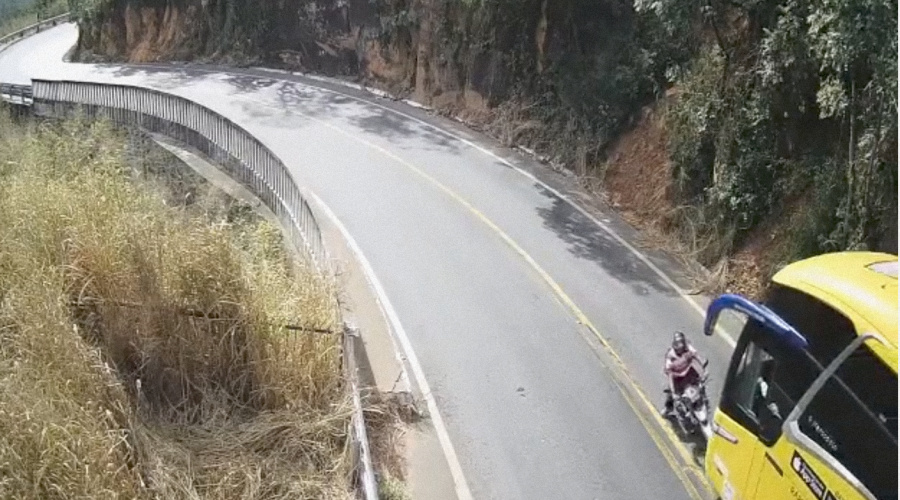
(142, 343)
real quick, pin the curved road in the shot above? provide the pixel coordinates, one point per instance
(540, 335)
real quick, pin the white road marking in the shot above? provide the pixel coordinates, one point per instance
(720, 332)
(459, 480)
(631, 248)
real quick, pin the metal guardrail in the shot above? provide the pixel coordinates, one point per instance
(362, 456)
(30, 30)
(242, 156)
(16, 94)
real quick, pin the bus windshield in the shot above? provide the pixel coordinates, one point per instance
(854, 419)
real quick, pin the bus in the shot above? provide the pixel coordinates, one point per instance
(808, 410)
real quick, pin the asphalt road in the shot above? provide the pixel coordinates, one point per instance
(487, 270)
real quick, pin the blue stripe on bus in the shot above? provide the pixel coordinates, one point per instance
(762, 314)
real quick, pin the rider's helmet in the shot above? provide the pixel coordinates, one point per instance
(679, 344)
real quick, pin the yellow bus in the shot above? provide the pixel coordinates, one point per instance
(809, 405)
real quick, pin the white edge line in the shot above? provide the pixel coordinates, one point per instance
(380, 93)
(459, 480)
(720, 332)
(462, 489)
(637, 253)
(460, 484)
(619, 239)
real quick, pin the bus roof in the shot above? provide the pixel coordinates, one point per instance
(863, 282)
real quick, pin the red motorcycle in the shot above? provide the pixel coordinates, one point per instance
(690, 404)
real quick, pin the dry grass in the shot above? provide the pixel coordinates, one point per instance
(142, 352)
(388, 418)
(510, 124)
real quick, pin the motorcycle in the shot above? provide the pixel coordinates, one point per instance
(691, 407)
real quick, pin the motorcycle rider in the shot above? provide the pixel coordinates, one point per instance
(679, 368)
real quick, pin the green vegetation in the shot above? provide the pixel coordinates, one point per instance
(390, 488)
(11, 7)
(18, 14)
(784, 111)
(789, 100)
(777, 100)
(143, 349)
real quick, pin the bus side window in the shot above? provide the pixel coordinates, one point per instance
(754, 393)
(766, 384)
(744, 382)
(854, 418)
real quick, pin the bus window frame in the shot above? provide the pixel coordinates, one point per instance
(754, 423)
(766, 317)
(727, 404)
(791, 427)
(779, 332)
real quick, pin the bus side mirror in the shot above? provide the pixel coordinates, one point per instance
(756, 312)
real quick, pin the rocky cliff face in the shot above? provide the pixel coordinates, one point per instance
(300, 36)
(559, 62)
(138, 33)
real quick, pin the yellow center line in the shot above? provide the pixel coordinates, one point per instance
(631, 385)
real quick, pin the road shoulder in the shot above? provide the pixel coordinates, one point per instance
(381, 363)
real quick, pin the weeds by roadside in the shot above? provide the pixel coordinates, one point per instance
(387, 418)
(142, 343)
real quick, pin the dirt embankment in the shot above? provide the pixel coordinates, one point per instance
(347, 38)
(311, 36)
(151, 34)
(638, 182)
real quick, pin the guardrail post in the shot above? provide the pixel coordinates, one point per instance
(362, 454)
